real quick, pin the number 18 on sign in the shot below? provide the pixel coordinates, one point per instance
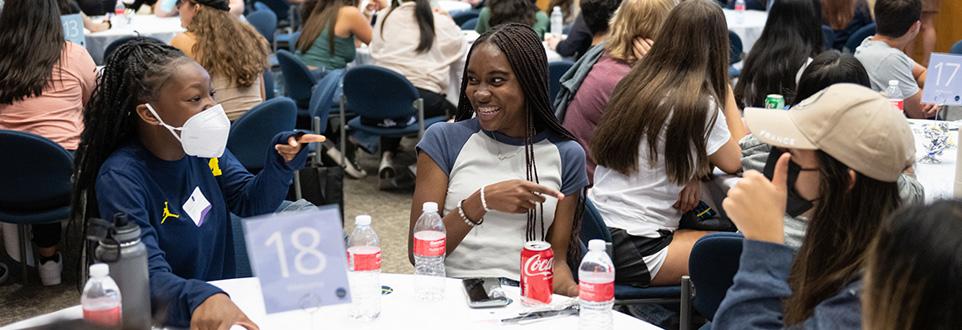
(943, 81)
(299, 259)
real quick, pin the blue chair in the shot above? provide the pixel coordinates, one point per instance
(260, 6)
(36, 187)
(556, 69)
(828, 37)
(712, 266)
(268, 84)
(470, 24)
(463, 16)
(593, 227)
(858, 36)
(265, 22)
(280, 7)
(298, 79)
(288, 39)
(252, 134)
(322, 100)
(736, 48)
(957, 48)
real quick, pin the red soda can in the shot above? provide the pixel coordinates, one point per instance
(537, 273)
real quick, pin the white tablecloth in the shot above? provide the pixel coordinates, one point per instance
(399, 310)
(163, 28)
(452, 6)
(749, 28)
(457, 68)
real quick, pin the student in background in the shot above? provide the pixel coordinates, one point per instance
(232, 52)
(844, 148)
(845, 17)
(897, 24)
(523, 12)
(791, 38)
(421, 45)
(589, 28)
(45, 86)
(664, 129)
(168, 8)
(331, 29)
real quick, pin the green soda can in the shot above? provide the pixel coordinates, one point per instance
(775, 101)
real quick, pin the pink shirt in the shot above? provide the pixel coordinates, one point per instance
(585, 109)
(57, 114)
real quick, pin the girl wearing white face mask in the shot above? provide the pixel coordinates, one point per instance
(154, 148)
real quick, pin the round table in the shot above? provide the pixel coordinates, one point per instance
(399, 310)
(749, 29)
(162, 28)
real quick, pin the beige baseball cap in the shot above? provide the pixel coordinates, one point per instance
(851, 123)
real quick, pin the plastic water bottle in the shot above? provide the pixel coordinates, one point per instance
(430, 246)
(894, 94)
(364, 260)
(120, 18)
(101, 298)
(120, 248)
(557, 21)
(740, 11)
(596, 288)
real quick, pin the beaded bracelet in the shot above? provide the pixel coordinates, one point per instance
(465, 218)
(484, 201)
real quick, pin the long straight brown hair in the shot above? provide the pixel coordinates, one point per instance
(320, 15)
(838, 13)
(844, 222)
(668, 92)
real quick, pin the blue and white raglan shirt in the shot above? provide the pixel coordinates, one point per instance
(472, 158)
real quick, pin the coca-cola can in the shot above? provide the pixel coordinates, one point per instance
(537, 273)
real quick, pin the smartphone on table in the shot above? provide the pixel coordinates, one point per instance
(484, 292)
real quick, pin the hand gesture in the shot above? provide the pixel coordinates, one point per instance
(689, 196)
(294, 145)
(218, 312)
(757, 206)
(517, 196)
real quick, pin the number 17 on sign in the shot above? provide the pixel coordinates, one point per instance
(943, 86)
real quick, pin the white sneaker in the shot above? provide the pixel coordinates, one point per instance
(349, 168)
(50, 271)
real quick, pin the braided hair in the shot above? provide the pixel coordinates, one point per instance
(525, 53)
(132, 75)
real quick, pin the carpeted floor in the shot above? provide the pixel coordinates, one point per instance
(389, 210)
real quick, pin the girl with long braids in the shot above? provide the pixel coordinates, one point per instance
(43, 89)
(232, 52)
(506, 171)
(664, 128)
(153, 147)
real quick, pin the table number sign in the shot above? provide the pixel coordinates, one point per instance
(943, 80)
(73, 28)
(299, 259)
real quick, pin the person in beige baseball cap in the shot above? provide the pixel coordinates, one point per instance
(844, 148)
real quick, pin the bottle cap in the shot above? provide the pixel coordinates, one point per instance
(430, 207)
(597, 245)
(99, 270)
(362, 220)
(556, 8)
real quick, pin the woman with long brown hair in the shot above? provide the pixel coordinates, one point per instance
(663, 129)
(331, 29)
(844, 149)
(845, 17)
(232, 52)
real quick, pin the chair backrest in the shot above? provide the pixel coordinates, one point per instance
(252, 134)
(737, 48)
(292, 43)
(593, 225)
(858, 36)
(469, 24)
(556, 69)
(259, 6)
(322, 99)
(265, 22)
(957, 48)
(268, 84)
(40, 176)
(712, 265)
(279, 7)
(828, 37)
(463, 16)
(297, 78)
(377, 93)
(119, 42)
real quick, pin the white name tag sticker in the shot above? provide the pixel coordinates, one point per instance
(197, 207)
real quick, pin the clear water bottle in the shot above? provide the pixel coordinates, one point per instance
(740, 11)
(430, 246)
(596, 288)
(364, 261)
(894, 94)
(101, 298)
(557, 21)
(119, 19)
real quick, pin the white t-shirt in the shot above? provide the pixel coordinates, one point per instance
(641, 203)
(472, 158)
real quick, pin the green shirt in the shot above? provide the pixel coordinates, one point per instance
(319, 54)
(540, 26)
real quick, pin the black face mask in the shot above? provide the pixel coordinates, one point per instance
(795, 205)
